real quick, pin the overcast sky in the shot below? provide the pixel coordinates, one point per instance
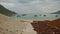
(32, 6)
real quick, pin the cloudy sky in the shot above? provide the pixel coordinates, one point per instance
(32, 6)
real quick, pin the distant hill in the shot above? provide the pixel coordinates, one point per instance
(5, 11)
(58, 12)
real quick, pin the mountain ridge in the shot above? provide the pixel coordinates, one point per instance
(5, 11)
(58, 12)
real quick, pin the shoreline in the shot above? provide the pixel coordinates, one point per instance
(37, 19)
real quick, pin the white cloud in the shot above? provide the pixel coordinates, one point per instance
(9, 1)
(32, 6)
(7, 4)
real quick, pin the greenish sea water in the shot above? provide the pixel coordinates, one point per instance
(37, 16)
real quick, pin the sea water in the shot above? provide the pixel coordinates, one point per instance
(37, 16)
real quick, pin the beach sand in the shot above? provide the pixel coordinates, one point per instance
(11, 26)
(20, 26)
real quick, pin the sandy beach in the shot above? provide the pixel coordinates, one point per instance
(11, 26)
(20, 26)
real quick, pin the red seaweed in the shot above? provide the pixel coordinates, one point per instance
(47, 27)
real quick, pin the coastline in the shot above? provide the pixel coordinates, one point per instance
(13, 26)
